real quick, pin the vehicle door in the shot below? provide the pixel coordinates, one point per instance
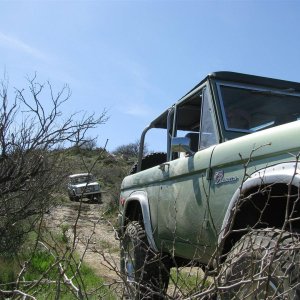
(184, 192)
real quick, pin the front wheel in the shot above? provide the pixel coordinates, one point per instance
(264, 264)
(74, 198)
(146, 273)
(98, 198)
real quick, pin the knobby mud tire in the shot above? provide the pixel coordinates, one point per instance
(264, 264)
(146, 274)
(150, 161)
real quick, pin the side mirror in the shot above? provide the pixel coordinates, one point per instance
(181, 144)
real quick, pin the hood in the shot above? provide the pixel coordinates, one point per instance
(279, 140)
(82, 185)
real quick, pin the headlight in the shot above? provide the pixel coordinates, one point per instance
(97, 188)
(78, 190)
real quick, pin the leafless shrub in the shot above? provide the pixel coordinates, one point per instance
(31, 173)
(130, 151)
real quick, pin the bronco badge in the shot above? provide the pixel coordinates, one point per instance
(219, 178)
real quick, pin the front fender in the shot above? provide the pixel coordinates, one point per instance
(287, 173)
(141, 198)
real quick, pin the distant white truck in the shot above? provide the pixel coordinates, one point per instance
(83, 185)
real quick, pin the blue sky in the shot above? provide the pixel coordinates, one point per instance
(136, 58)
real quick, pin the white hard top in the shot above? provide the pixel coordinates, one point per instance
(79, 175)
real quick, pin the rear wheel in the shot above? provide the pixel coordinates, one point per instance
(264, 264)
(146, 273)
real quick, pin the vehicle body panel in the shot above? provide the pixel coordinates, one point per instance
(190, 199)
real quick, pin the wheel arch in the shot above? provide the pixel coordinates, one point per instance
(262, 201)
(136, 208)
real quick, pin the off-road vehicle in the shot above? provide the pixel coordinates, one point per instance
(83, 185)
(224, 195)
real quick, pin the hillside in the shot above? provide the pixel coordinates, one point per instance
(108, 169)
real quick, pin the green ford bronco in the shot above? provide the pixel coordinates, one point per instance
(224, 195)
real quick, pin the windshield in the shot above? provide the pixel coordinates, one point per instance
(249, 109)
(82, 179)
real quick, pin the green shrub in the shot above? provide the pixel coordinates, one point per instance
(9, 270)
(189, 279)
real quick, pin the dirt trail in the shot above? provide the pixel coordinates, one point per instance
(94, 235)
(97, 237)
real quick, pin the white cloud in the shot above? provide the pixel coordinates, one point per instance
(19, 45)
(137, 109)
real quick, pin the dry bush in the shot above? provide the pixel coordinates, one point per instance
(31, 174)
